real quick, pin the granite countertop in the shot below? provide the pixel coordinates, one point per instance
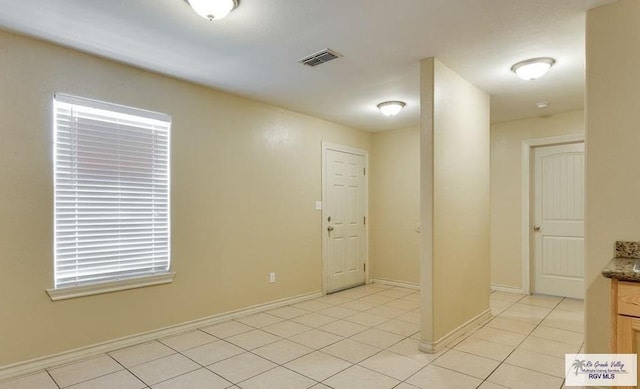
(622, 269)
(627, 254)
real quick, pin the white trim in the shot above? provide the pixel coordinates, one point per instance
(476, 322)
(109, 286)
(506, 289)
(324, 224)
(28, 367)
(401, 284)
(344, 149)
(527, 145)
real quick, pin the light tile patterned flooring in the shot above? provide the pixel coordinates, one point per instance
(365, 337)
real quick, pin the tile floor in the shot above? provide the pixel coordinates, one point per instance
(365, 337)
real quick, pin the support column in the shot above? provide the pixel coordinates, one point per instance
(454, 162)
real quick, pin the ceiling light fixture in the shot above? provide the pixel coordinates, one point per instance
(213, 9)
(542, 105)
(391, 108)
(534, 68)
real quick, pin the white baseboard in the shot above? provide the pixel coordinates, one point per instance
(402, 284)
(508, 289)
(476, 322)
(38, 364)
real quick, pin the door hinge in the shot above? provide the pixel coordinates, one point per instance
(364, 171)
(364, 220)
(365, 267)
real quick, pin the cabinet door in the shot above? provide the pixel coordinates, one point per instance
(628, 339)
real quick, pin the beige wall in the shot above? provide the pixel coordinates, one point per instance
(506, 188)
(455, 134)
(245, 177)
(394, 206)
(612, 144)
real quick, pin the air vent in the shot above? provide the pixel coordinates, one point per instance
(320, 57)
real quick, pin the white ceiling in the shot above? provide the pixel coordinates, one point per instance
(254, 51)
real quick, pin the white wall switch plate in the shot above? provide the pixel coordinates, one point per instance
(318, 205)
(272, 277)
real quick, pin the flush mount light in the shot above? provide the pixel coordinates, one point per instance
(534, 68)
(542, 105)
(391, 108)
(213, 9)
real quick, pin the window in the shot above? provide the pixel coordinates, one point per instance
(111, 183)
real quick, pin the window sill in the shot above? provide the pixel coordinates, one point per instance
(110, 286)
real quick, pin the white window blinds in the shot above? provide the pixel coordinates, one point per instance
(111, 179)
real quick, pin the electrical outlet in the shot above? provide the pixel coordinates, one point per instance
(272, 277)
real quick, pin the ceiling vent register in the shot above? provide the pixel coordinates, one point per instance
(320, 57)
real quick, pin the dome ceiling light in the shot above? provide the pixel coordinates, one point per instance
(391, 108)
(213, 9)
(534, 68)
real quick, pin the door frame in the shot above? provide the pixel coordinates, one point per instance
(324, 224)
(527, 197)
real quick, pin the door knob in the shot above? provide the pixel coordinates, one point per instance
(536, 228)
(330, 228)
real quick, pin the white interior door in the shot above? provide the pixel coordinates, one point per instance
(559, 220)
(344, 224)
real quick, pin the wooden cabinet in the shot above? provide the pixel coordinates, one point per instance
(625, 318)
(628, 337)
